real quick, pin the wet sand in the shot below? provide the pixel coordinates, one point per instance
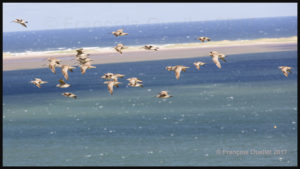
(33, 61)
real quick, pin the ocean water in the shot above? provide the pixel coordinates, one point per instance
(168, 33)
(217, 117)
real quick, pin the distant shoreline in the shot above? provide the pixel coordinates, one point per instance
(34, 60)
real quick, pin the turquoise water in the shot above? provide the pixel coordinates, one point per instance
(212, 112)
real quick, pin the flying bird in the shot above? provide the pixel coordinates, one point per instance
(53, 62)
(112, 76)
(177, 69)
(81, 54)
(65, 69)
(21, 22)
(198, 64)
(150, 47)
(285, 70)
(62, 84)
(84, 60)
(204, 39)
(119, 32)
(70, 95)
(85, 66)
(215, 58)
(111, 84)
(135, 82)
(120, 47)
(37, 82)
(163, 94)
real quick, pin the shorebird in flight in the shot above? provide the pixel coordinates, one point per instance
(85, 66)
(81, 54)
(112, 76)
(177, 69)
(53, 62)
(163, 94)
(215, 58)
(120, 47)
(135, 82)
(198, 64)
(62, 84)
(84, 61)
(119, 32)
(111, 84)
(65, 69)
(37, 82)
(21, 21)
(204, 39)
(220, 55)
(285, 70)
(70, 95)
(150, 47)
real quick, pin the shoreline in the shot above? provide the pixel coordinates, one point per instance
(171, 51)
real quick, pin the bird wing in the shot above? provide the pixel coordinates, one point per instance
(286, 73)
(61, 81)
(24, 25)
(52, 68)
(119, 75)
(223, 58)
(215, 59)
(38, 84)
(110, 87)
(177, 72)
(64, 71)
(197, 66)
(83, 69)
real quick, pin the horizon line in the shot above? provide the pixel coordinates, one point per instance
(107, 26)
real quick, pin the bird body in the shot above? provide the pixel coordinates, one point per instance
(62, 84)
(70, 95)
(163, 94)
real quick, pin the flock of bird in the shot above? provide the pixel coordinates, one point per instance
(84, 63)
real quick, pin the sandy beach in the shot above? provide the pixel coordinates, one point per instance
(36, 60)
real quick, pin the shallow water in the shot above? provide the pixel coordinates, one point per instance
(213, 112)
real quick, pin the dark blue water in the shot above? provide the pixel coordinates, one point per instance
(170, 33)
(213, 111)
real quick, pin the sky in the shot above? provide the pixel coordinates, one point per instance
(45, 16)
